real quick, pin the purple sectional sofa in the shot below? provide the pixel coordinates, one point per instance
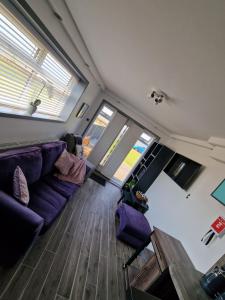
(20, 225)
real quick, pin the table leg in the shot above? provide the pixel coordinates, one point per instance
(136, 253)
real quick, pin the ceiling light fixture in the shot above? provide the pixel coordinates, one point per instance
(157, 96)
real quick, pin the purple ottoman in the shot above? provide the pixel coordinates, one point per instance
(134, 228)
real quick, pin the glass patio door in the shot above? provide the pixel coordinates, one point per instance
(114, 143)
(125, 152)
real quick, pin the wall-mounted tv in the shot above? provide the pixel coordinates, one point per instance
(182, 170)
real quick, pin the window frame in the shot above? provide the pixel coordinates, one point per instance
(24, 13)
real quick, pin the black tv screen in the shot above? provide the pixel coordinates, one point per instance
(182, 170)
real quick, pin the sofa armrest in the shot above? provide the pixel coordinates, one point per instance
(19, 226)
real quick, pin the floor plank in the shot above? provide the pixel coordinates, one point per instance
(6, 275)
(50, 287)
(92, 272)
(120, 275)
(38, 277)
(80, 279)
(104, 245)
(58, 297)
(112, 273)
(65, 286)
(90, 292)
(102, 287)
(18, 283)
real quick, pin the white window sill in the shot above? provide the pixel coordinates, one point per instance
(16, 113)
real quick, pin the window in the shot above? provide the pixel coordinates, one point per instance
(33, 81)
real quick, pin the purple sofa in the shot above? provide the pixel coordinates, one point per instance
(20, 225)
(134, 228)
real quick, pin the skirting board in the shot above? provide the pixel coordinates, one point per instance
(218, 153)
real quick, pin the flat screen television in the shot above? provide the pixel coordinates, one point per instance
(182, 170)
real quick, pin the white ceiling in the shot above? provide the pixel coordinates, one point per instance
(175, 45)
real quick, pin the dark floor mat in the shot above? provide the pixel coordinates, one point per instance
(98, 178)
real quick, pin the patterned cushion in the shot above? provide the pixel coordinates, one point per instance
(20, 189)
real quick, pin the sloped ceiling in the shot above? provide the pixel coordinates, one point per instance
(175, 45)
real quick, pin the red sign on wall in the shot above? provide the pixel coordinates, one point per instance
(218, 226)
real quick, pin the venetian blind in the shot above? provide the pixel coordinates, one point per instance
(28, 71)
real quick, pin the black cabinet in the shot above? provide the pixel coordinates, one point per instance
(158, 159)
(153, 162)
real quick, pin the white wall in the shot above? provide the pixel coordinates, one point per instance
(189, 219)
(14, 129)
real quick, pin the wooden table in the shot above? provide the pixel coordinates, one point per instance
(169, 274)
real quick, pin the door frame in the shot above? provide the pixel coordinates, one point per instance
(156, 137)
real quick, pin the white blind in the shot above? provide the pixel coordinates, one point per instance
(10, 33)
(28, 71)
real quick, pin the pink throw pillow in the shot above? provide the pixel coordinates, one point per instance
(64, 163)
(20, 188)
(77, 172)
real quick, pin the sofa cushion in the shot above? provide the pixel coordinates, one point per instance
(64, 188)
(46, 202)
(29, 159)
(50, 153)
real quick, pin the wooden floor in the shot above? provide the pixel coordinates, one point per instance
(78, 258)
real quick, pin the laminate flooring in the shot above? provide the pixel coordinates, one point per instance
(78, 258)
